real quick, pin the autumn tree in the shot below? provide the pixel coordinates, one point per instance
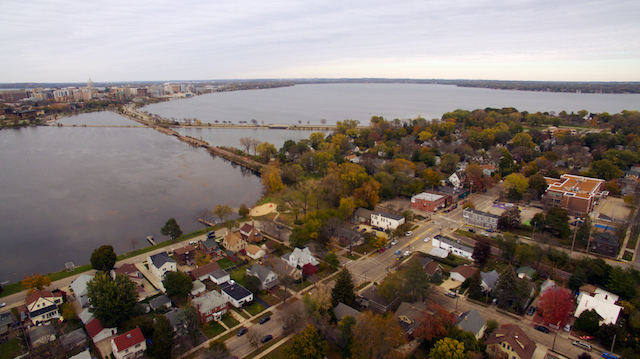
(271, 179)
(482, 252)
(309, 270)
(205, 215)
(307, 344)
(266, 150)
(555, 304)
(448, 348)
(243, 211)
(111, 300)
(474, 176)
(36, 281)
(343, 290)
(103, 258)
(222, 211)
(217, 350)
(377, 337)
(516, 184)
(68, 311)
(434, 323)
(171, 229)
(431, 178)
(538, 185)
(177, 284)
(510, 218)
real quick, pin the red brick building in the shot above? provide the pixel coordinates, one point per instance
(428, 202)
(576, 194)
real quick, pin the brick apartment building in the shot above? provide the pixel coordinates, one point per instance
(576, 194)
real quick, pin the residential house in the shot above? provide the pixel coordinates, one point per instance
(510, 341)
(283, 269)
(489, 280)
(250, 233)
(79, 287)
(254, 252)
(185, 255)
(172, 317)
(547, 284)
(97, 332)
(234, 242)
(576, 194)
(472, 322)
(7, 322)
(161, 301)
(455, 248)
(219, 277)
(347, 238)
(527, 272)
(211, 248)
(386, 220)
(236, 294)
(462, 273)
(342, 310)
(198, 288)
(428, 202)
(203, 272)
(370, 299)
(73, 339)
(268, 278)
(129, 345)
(352, 158)
(410, 315)
(455, 181)
(43, 305)
(131, 271)
(160, 264)
(481, 219)
(232, 256)
(456, 193)
(430, 266)
(42, 335)
(489, 170)
(362, 215)
(600, 300)
(210, 306)
(299, 257)
(606, 244)
(82, 355)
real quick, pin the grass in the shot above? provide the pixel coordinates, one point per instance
(229, 320)
(10, 349)
(255, 321)
(628, 256)
(225, 263)
(262, 348)
(242, 313)
(362, 285)
(353, 257)
(365, 248)
(270, 299)
(254, 309)
(279, 352)
(212, 329)
(303, 285)
(238, 274)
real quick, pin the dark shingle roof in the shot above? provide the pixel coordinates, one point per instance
(396, 217)
(471, 321)
(160, 259)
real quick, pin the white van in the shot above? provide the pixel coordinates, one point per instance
(582, 345)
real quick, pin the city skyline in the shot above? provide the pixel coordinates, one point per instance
(157, 41)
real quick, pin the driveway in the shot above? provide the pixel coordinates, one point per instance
(449, 284)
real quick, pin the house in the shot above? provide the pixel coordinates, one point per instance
(268, 278)
(410, 315)
(131, 271)
(455, 180)
(489, 280)
(254, 252)
(455, 248)
(576, 194)
(300, 257)
(370, 298)
(210, 306)
(234, 242)
(42, 335)
(82, 355)
(236, 294)
(250, 233)
(172, 316)
(185, 255)
(232, 256)
(283, 269)
(342, 310)
(352, 158)
(97, 332)
(462, 273)
(606, 244)
(527, 272)
(510, 341)
(198, 288)
(346, 237)
(211, 248)
(456, 193)
(362, 215)
(547, 284)
(430, 266)
(386, 220)
(472, 322)
(428, 202)
(203, 272)
(43, 305)
(488, 170)
(160, 301)
(600, 300)
(481, 219)
(161, 263)
(79, 287)
(73, 339)
(129, 345)
(219, 277)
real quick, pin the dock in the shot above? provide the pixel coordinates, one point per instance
(151, 240)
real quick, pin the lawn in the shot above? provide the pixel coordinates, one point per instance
(353, 257)
(229, 320)
(225, 263)
(254, 309)
(212, 329)
(10, 349)
(242, 313)
(303, 285)
(279, 352)
(238, 274)
(270, 299)
(362, 285)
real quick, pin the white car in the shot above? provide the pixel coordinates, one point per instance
(406, 253)
(2, 305)
(408, 233)
(485, 234)
(427, 239)
(395, 241)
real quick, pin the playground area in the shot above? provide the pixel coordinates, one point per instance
(613, 207)
(526, 213)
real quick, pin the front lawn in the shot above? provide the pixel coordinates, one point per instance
(10, 349)
(241, 312)
(270, 299)
(212, 329)
(225, 263)
(229, 320)
(238, 274)
(254, 309)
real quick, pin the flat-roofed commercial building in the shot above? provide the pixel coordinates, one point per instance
(427, 202)
(576, 194)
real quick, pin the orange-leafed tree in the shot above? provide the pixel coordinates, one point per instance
(34, 282)
(555, 304)
(377, 337)
(434, 323)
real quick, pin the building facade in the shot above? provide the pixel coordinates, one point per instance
(428, 202)
(480, 219)
(576, 194)
(386, 220)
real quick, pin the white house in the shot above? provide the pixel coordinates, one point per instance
(254, 252)
(268, 278)
(160, 264)
(219, 277)
(602, 301)
(300, 257)
(458, 249)
(129, 345)
(462, 273)
(79, 286)
(489, 280)
(455, 180)
(43, 305)
(236, 294)
(386, 220)
(97, 332)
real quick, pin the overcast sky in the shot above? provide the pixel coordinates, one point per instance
(139, 40)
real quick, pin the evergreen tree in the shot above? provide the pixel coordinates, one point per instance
(343, 291)
(584, 231)
(482, 252)
(171, 229)
(577, 279)
(162, 338)
(111, 301)
(416, 281)
(475, 289)
(507, 288)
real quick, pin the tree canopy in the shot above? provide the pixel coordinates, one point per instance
(555, 304)
(36, 281)
(103, 258)
(307, 344)
(482, 252)
(448, 348)
(171, 229)
(177, 284)
(343, 290)
(111, 301)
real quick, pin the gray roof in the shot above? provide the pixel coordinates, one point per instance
(42, 331)
(454, 244)
(160, 259)
(73, 339)
(83, 355)
(363, 213)
(79, 285)
(396, 217)
(259, 271)
(172, 316)
(410, 315)
(485, 214)
(219, 274)
(209, 301)
(342, 310)
(607, 238)
(157, 302)
(471, 321)
(426, 260)
(490, 278)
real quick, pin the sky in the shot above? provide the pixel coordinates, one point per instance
(141, 40)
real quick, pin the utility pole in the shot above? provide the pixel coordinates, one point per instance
(575, 231)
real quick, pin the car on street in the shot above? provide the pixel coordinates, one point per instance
(567, 328)
(531, 310)
(406, 253)
(395, 241)
(387, 246)
(484, 234)
(586, 337)
(2, 305)
(242, 332)
(408, 233)
(266, 338)
(264, 320)
(363, 230)
(397, 252)
(381, 250)
(427, 239)
(451, 294)
(541, 328)
(193, 243)
(583, 345)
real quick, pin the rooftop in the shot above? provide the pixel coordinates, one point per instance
(576, 184)
(475, 211)
(128, 339)
(235, 290)
(160, 259)
(184, 250)
(396, 217)
(427, 197)
(516, 338)
(209, 301)
(471, 321)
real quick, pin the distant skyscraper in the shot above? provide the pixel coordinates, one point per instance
(90, 85)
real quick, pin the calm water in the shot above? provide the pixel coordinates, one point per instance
(66, 191)
(336, 102)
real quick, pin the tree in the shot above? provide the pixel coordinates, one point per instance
(588, 321)
(217, 350)
(416, 281)
(510, 218)
(243, 211)
(557, 221)
(205, 215)
(171, 229)
(253, 336)
(621, 282)
(584, 231)
(36, 281)
(435, 323)
(111, 301)
(584, 356)
(516, 184)
(177, 284)
(491, 326)
(538, 184)
(431, 178)
(246, 142)
(343, 290)
(103, 258)
(604, 169)
(271, 179)
(577, 279)
(252, 283)
(482, 252)
(266, 150)
(507, 288)
(555, 304)
(162, 338)
(67, 311)
(332, 260)
(309, 270)
(448, 348)
(475, 288)
(307, 344)
(377, 337)
(222, 211)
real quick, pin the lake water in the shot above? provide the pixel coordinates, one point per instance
(337, 102)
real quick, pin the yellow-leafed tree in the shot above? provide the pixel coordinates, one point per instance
(34, 282)
(308, 344)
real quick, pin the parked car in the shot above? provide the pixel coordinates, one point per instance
(408, 233)
(541, 328)
(387, 246)
(2, 305)
(427, 239)
(211, 234)
(484, 234)
(583, 345)
(531, 310)
(472, 230)
(609, 356)
(363, 230)
(266, 338)
(242, 332)
(382, 249)
(567, 328)
(395, 241)
(586, 337)
(193, 243)
(407, 253)
(451, 294)
(264, 320)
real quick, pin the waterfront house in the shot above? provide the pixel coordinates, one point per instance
(131, 271)
(43, 305)
(129, 345)
(159, 264)
(185, 255)
(234, 242)
(79, 287)
(211, 248)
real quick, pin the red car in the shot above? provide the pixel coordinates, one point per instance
(586, 337)
(382, 249)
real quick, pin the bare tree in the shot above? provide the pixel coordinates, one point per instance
(134, 242)
(255, 143)
(247, 143)
(253, 336)
(203, 214)
(323, 121)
